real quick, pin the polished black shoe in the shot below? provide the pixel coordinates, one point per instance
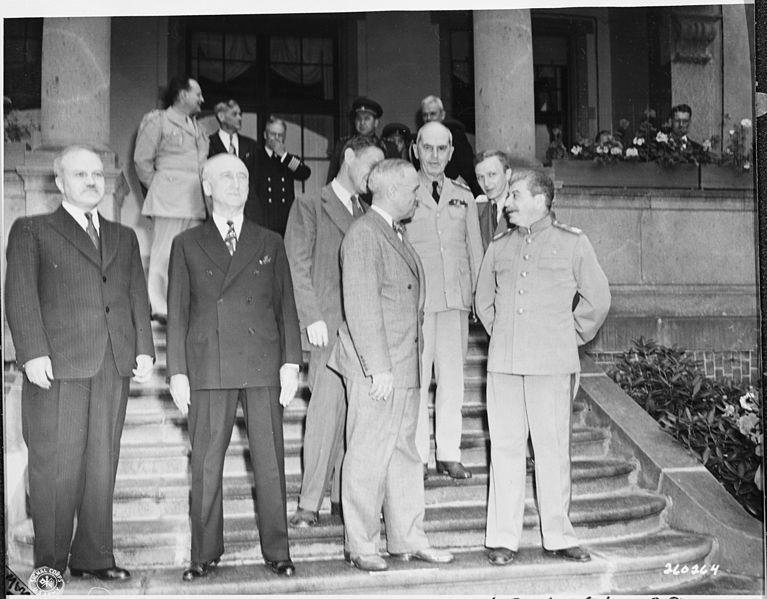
(530, 465)
(113, 573)
(576, 554)
(426, 471)
(453, 469)
(501, 556)
(283, 567)
(199, 570)
(336, 509)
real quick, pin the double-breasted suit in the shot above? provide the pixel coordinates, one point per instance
(87, 309)
(315, 230)
(524, 298)
(275, 188)
(383, 302)
(170, 151)
(246, 151)
(231, 324)
(446, 235)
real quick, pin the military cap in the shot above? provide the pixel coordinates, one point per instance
(363, 104)
(393, 128)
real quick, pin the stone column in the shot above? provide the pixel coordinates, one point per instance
(696, 66)
(75, 81)
(503, 82)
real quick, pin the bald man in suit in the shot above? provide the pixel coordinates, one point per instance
(78, 310)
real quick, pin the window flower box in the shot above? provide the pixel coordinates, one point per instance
(714, 176)
(587, 173)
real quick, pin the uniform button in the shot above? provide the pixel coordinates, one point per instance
(522, 292)
(209, 273)
(520, 311)
(526, 256)
(107, 309)
(250, 300)
(282, 178)
(251, 331)
(220, 301)
(283, 200)
(528, 240)
(268, 178)
(523, 273)
(409, 286)
(270, 200)
(104, 279)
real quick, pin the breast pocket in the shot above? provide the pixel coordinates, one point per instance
(457, 211)
(172, 136)
(555, 268)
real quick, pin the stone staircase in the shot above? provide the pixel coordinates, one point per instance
(624, 525)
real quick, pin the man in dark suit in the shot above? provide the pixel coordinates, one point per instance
(277, 170)
(78, 310)
(316, 227)
(493, 175)
(377, 354)
(232, 329)
(228, 140)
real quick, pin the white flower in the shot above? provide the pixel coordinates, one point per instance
(661, 137)
(632, 153)
(601, 150)
(747, 423)
(616, 151)
(576, 150)
(732, 131)
(747, 402)
(746, 123)
(747, 166)
(707, 145)
(638, 141)
(729, 410)
(758, 478)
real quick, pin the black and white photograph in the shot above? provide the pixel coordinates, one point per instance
(383, 299)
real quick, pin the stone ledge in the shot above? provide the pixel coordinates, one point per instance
(698, 502)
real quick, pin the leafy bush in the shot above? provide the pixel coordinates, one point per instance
(719, 421)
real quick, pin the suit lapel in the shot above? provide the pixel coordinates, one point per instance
(401, 246)
(213, 245)
(249, 243)
(63, 222)
(335, 209)
(217, 144)
(110, 240)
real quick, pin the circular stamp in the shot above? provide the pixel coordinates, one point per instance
(46, 581)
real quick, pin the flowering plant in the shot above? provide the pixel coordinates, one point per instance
(17, 126)
(746, 416)
(606, 149)
(739, 151)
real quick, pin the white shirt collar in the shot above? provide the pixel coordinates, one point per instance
(343, 195)
(225, 140)
(79, 215)
(223, 227)
(386, 216)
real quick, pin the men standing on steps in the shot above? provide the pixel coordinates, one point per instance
(445, 233)
(170, 151)
(316, 227)
(377, 354)
(78, 310)
(232, 330)
(524, 298)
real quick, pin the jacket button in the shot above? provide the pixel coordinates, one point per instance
(409, 286)
(520, 311)
(523, 273)
(209, 273)
(104, 279)
(526, 257)
(528, 240)
(251, 331)
(106, 309)
(250, 300)
(521, 292)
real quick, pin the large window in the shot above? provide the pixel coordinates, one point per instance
(22, 70)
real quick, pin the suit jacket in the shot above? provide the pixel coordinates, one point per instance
(488, 228)
(383, 303)
(315, 230)
(231, 319)
(525, 298)
(447, 238)
(65, 301)
(246, 151)
(275, 189)
(170, 151)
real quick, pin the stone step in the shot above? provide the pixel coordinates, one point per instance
(165, 542)
(141, 497)
(146, 455)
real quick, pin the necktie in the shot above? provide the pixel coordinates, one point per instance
(356, 208)
(435, 190)
(232, 149)
(231, 238)
(91, 230)
(399, 229)
(494, 215)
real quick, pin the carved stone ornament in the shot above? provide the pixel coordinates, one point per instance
(693, 35)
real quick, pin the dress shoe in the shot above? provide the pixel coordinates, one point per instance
(160, 319)
(453, 469)
(428, 554)
(336, 509)
(529, 464)
(369, 563)
(199, 570)
(282, 567)
(576, 554)
(426, 471)
(113, 573)
(501, 556)
(304, 518)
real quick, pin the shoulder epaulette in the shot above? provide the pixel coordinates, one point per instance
(502, 234)
(568, 228)
(150, 116)
(461, 184)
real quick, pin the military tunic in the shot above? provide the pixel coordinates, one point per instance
(275, 189)
(524, 298)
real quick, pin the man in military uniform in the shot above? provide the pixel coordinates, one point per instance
(445, 233)
(276, 173)
(365, 114)
(524, 298)
(170, 151)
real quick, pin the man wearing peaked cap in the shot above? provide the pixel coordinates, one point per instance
(364, 115)
(396, 138)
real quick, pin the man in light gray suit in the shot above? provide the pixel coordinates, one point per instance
(377, 353)
(316, 227)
